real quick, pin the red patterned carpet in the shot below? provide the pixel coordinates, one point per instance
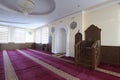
(68, 58)
(110, 67)
(27, 69)
(80, 72)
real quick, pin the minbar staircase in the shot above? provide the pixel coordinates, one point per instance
(88, 56)
(87, 52)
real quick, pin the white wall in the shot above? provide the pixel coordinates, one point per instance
(108, 19)
(70, 33)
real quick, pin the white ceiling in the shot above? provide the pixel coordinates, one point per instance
(45, 11)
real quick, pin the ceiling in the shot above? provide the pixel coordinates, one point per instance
(44, 11)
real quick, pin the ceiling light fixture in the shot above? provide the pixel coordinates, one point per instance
(26, 6)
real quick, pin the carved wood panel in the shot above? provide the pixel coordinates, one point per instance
(78, 37)
(93, 33)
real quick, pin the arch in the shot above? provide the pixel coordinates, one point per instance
(61, 39)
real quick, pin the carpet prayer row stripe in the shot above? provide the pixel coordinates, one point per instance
(108, 72)
(51, 68)
(9, 70)
(60, 64)
(109, 67)
(79, 72)
(27, 69)
(40, 60)
(53, 56)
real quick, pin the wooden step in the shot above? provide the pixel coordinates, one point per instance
(86, 61)
(86, 65)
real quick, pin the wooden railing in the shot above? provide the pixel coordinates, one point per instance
(77, 52)
(96, 53)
